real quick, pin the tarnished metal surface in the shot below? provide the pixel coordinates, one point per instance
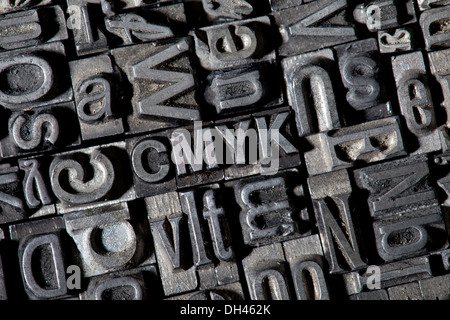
(224, 150)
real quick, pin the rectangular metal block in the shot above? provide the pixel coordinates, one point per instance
(219, 11)
(12, 206)
(30, 28)
(366, 90)
(46, 66)
(436, 288)
(194, 155)
(278, 147)
(434, 24)
(232, 291)
(41, 129)
(331, 195)
(407, 291)
(410, 235)
(36, 187)
(111, 229)
(305, 256)
(391, 274)
(385, 14)
(87, 26)
(428, 4)
(398, 187)
(158, 101)
(371, 295)
(110, 181)
(177, 271)
(440, 68)
(315, 109)
(402, 39)
(364, 143)
(255, 35)
(40, 245)
(210, 235)
(94, 85)
(7, 6)
(264, 264)
(285, 4)
(241, 89)
(271, 210)
(145, 24)
(314, 25)
(153, 170)
(3, 293)
(411, 76)
(139, 284)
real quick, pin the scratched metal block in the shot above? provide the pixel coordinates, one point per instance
(85, 178)
(436, 288)
(108, 239)
(398, 187)
(153, 170)
(170, 236)
(364, 143)
(41, 129)
(36, 189)
(195, 156)
(338, 228)
(94, 85)
(402, 39)
(133, 284)
(277, 140)
(25, 191)
(305, 258)
(239, 138)
(380, 294)
(215, 258)
(385, 14)
(31, 27)
(428, 4)
(242, 89)
(235, 43)
(445, 255)
(410, 235)
(313, 25)
(273, 208)
(261, 144)
(12, 207)
(311, 91)
(163, 85)
(10, 6)
(391, 274)
(440, 68)
(360, 66)
(407, 291)
(34, 76)
(403, 202)
(266, 273)
(124, 5)
(41, 257)
(87, 26)
(434, 24)
(146, 25)
(232, 291)
(3, 292)
(278, 5)
(217, 11)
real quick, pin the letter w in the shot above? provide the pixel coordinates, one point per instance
(181, 81)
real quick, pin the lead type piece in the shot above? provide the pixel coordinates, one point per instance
(364, 143)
